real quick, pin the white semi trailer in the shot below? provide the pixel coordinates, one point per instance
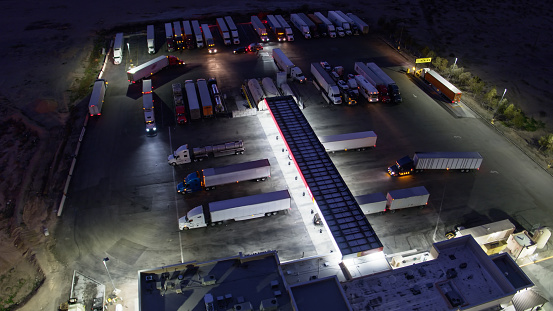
(301, 25)
(118, 49)
(198, 34)
(330, 91)
(372, 203)
(97, 98)
(259, 28)
(224, 30)
(286, 26)
(284, 64)
(237, 209)
(150, 67)
(330, 27)
(233, 30)
(349, 141)
(184, 155)
(463, 161)
(405, 198)
(150, 37)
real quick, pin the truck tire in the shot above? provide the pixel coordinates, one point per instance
(264, 178)
(174, 164)
(207, 188)
(267, 214)
(274, 213)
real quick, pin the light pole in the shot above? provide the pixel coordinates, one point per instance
(498, 105)
(130, 59)
(115, 290)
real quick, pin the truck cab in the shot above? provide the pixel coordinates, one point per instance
(403, 166)
(181, 114)
(194, 219)
(296, 73)
(180, 156)
(192, 183)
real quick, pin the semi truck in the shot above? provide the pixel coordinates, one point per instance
(148, 108)
(97, 98)
(180, 111)
(208, 37)
(463, 161)
(259, 28)
(352, 25)
(150, 67)
(147, 86)
(178, 35)
(198, 34)
(321, 27)
(405, 198)
(361, 25)
(208, 178)
(393, 89)
(225, 34)
(169, 37)
(188, 34)
(323, 81)
(300, 24)
(193, 104)
(312, 27)
(287, 28)
(237, 209)
(329, 26)
(284, 64)
(443, 86)
(374, 79)
(254, 93)
(184, 155)
(372, 203)
(276, 28)
(233, 30)
(337, 20)
(207, 104)
(367, 89)
(118, 49)
(349, 141)
(150, 37)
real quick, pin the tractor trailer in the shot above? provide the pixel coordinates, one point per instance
(340, 23)
(300, 25)
(198, 34)
(150, 36)
(184, 155)
(180, 111)
(374, 79)
(236, 209)
(312, 27)
(372, 203)
(233, 30)
(209, 178)
(286, 27)
(276, 28)
(150, 67)
(393, 89)
(323, 81)
(442, 85)
(284, 64)
(259, 28)
(97, 98)
(207, 104)
(225, 34)
(118, 49)
(169, 37)
(361, 25)
(193, 103)
(330, 27)
(463, 161)
(405, 198)
(188, 34)
(349, 141)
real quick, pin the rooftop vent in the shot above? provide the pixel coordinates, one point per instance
(208, 280)
(270, 304)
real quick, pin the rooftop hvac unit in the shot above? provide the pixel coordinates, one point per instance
(208, 280)
(270, 304)
(245, 306)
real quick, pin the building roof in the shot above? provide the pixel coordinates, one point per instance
(348, 225)
(320, 294)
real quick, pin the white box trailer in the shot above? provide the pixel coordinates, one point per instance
(233, 30)
(224, 30)
(149, 118)
(259, 27)
(286, 26)
(169, 37)
(330, 27)
(447, 160)
(285, 64)
(208, 37)
(372, 203)
(97, 98)
(118, 49)
(405, 198)
(340, 22)
(488, 233)
(198, 34)
(237, 209)
(150, 37)
(150, 67)
(349, 141)
(361, 25)
(254, 170)
(193, 103)
(300, 25)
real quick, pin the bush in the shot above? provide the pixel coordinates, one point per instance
(546, 143)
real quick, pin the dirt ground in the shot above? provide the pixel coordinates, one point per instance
(46, 45)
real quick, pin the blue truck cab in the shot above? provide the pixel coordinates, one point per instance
(192, 183)
(403, 166)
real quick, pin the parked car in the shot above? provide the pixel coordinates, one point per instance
(241, 50)
(343, 85)
(325, 66)
(255, 47)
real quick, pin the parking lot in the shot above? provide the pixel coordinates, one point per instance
(123, 201)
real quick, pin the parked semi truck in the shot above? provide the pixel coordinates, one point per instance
(463, 161)
(209, 178)
(339, 22)
(223, 29)
(276, 28)
(349, 141)
(361, 25)
(287, 28)
(233, 30)
(259, 28)
(180, 111)
(313, 30)
(442, 85)
(208, 39)
(328, 24)
(169, 37)
(148, 108)
(374, 80)
(405, 198)
(177, 33)
(367, 89)
(207, 104)
(284, 64)
(193, 103)
(323, 81)
(184, 155)
(372, 203)
(190, 41)
(198, 34)
(97, 98)
(300, 24)
(393, 89)
(150, 67)
(352, 25)
(150, 37)
(321, 27)
(118, 49)
(236, 209)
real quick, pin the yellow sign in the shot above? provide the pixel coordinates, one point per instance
(423, 60)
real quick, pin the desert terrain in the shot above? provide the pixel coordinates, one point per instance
(47, 48)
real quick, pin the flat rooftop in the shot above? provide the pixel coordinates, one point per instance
(319, 294)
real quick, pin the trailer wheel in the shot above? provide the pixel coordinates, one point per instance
(274, 213)
(173, 164)
(213, 224)
(220, 223)
(213, 188)
(268, 214)
(264, 178)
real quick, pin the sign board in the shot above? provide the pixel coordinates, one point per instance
(423, 60)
